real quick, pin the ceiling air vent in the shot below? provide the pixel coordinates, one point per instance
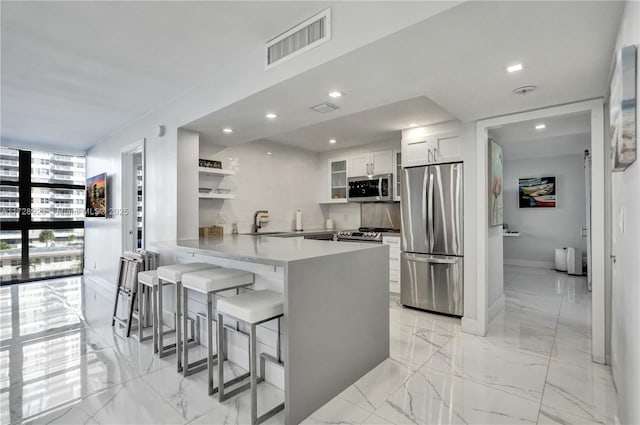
(304, 36)
(323, 108)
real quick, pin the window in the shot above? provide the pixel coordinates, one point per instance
(41, 215)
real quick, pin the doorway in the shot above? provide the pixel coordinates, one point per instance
(489, 262)
(133, 198)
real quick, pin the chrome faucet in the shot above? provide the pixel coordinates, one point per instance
(256, 223)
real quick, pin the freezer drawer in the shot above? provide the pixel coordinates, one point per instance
(432, 282)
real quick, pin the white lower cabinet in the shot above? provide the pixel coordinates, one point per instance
(394, 262)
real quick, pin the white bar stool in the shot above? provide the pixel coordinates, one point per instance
(172, 275)
(209, 282)
(252, 308)
(150, 280)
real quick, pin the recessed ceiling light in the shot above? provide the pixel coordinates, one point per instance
(271, 115)
(335, 94)
(540, 127)
(413, 125)
(227, 130)
(333, 141)
(514, 68)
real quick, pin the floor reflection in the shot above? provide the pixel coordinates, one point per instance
(48, 355)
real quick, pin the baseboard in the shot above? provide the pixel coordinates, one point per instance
(528, 263)
(495, 308)
(472, 326)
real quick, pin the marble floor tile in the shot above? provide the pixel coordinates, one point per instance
(473, 358)
(338, 411)
(583, 390)
(134, 402)
(188, 395)
(413, 346)
(367, 392)
(550, 416)
(430, 397)
(237, 409)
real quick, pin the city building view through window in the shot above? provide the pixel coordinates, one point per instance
(42, 209)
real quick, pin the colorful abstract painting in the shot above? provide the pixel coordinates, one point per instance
(495, 184)
(622, 110)
(537, 192)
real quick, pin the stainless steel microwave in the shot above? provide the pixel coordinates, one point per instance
(378, 188)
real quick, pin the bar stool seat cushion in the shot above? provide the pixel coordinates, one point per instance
(149, 278)
(214, 280)
(253, 307)
(174, 272)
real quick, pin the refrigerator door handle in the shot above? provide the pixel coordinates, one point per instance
(430, 214)
(424, 205)
(426, 259)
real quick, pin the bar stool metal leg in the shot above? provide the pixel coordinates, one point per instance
(154, 319)
(185, 346)
(254, 375)
(220, 342)
(210, 359)
(178, 332)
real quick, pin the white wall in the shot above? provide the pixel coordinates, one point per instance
(544, 229)
(269, 176)
(625, 342)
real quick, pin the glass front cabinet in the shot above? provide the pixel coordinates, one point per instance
(338, 180)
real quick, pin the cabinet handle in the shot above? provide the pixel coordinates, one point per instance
(429, 156)
(435, 154)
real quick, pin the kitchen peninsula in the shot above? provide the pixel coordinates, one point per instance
(336, 307)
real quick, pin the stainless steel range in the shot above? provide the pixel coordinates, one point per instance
(363, 234)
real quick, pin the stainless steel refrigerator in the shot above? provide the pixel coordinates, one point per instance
(431, 272)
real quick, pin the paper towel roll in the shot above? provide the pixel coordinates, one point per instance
(298, 220)
(329, 225)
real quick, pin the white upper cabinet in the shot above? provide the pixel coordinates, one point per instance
(447, 147)
(380, 162)
(436, 144)
(359, 165)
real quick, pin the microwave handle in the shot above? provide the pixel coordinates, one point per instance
(380, 187)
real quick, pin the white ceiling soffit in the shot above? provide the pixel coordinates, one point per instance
(571, 144)
(561, 125)
(73, 72)
(457, 59)
(374, 125)
(562, 135)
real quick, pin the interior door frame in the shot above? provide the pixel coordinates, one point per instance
(596, 109)
(129, 220)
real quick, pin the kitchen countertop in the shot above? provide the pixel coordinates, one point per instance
(266, 249)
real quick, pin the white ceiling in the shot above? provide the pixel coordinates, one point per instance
(457, 59)
(563, 135)
(374, 125)
(73, 72)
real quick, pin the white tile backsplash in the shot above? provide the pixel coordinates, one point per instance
(345, 216)
(269, 176)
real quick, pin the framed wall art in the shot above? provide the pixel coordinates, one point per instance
(537, 192)
(622, 109)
